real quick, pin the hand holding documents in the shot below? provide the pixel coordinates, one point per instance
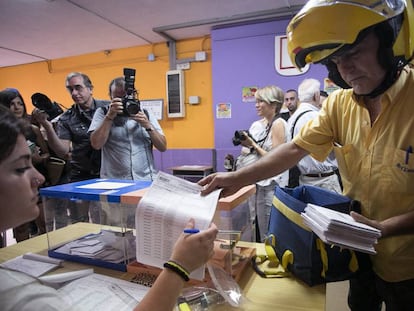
(340, 229)
(162, 214)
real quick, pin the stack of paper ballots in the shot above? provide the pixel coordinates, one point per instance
(340, 229)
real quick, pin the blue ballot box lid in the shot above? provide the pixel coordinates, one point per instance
(99, 189)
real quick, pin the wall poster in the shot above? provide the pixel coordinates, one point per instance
(154, 106)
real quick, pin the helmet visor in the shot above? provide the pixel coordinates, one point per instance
(386, 8)
(323, 26)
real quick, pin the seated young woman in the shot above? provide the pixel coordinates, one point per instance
(19, 184)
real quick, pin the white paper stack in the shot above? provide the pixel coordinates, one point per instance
(340, 229)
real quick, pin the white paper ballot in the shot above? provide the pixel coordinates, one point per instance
(103, 293)
(105, 185)
(164, 211)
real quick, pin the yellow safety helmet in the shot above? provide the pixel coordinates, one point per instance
(322, 27)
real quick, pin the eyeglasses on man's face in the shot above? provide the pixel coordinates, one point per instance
(78, 88)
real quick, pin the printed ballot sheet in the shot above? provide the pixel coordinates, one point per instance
(164, 211)
(104, 293)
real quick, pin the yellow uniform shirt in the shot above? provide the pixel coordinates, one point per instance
(374, 161)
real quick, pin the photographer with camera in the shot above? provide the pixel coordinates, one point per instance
(42, 102)
(262, 136)
(71, 139)
(126, 133)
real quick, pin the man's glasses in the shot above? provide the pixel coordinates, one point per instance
(77, 88)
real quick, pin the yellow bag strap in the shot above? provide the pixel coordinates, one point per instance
(324, 256)
(289, 213)
(353, 262)
(270, 243)
(269, 263)
(288, 255)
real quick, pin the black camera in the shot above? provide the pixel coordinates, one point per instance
(42, 102)
(239, 136)
(130, 101)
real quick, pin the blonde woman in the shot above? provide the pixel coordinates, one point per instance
(265, 134)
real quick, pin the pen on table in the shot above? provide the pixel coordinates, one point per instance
(194, 230)
(191, 231)
(407, 154)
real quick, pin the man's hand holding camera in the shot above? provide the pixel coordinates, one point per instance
(115, 108)
(142, 119)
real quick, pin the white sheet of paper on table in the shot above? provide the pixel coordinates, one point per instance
(31, 267)
(106, 185)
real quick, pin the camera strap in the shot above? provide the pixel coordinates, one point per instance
(268, 128)
(292, 130)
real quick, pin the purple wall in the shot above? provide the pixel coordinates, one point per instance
(164, 161)
(244, 56)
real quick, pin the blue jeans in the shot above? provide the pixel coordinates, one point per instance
(260, 206)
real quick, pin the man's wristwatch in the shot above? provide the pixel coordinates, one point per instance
(149, 129)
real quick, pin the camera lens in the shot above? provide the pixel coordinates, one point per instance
(132, 107)
(240, 135)
(236, 141)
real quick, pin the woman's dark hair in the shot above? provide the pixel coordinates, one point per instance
(10, 128)
(7, 95)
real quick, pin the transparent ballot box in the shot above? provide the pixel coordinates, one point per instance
(93, 221)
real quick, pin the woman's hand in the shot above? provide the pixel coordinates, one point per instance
(248, 141)
(191, 251)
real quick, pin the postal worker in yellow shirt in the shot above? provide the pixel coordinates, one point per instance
(366, 46)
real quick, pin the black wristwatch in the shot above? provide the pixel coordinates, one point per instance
(149, 129)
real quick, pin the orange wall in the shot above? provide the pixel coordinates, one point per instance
(195, 130)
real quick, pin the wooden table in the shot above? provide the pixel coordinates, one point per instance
(287, 294)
